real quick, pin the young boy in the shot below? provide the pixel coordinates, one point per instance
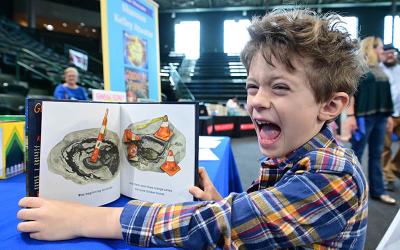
(311, 193)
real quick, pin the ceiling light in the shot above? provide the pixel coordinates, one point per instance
(64, 24)
(77, 31)
(49, 27)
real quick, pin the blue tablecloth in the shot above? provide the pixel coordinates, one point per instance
(223, 173)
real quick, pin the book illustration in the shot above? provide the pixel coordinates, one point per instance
(145, 151)
(136, 84)
(170, 167)
(135, 50)
(86, 155)
(154, 145)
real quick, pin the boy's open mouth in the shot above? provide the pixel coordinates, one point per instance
(269, 131)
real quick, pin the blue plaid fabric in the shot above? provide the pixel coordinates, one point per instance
(314, 198)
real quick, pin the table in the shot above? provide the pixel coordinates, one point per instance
(223, 173)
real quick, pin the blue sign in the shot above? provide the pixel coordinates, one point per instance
(131, 48)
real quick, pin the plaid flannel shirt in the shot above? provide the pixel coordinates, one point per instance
(314, 198)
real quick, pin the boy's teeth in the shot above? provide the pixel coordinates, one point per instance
(262, 122)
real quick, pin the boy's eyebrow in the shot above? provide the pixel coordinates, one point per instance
(251, 79)
(269, 79)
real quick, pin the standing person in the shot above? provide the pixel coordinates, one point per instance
(232, 106)
(391, 166)
(311, 192)
(69, 90)
(367, 116)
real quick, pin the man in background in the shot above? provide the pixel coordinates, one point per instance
(391, 165)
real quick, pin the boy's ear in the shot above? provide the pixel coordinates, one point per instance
(334, 106)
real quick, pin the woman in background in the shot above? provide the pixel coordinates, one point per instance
(69, 90)
(367, 116)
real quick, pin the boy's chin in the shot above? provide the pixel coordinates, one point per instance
(271, 153)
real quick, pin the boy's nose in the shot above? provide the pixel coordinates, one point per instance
(261, 100)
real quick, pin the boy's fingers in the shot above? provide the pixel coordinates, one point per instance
(203, 175)
(28, 226)
(27, 214)
(36, 236)
(196, 192)
(30, 202)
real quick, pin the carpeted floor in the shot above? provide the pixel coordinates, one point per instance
(246, 154)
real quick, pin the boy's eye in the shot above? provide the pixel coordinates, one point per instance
(251, 88)
(280, 88)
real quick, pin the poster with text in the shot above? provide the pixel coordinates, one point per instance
(131, 48)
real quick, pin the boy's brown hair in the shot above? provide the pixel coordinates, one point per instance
(332, 59)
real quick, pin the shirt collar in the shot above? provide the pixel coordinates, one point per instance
(323, 139)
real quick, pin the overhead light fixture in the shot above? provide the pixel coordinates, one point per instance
(94, 30)
(82, 24)
(50, 27)
(173, 15)
(64, 24)
(77, 31)
(244, 13)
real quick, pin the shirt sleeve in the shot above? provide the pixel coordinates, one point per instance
(59, 92)
(299, 210)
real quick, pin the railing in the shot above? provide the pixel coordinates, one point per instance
(182, 91)
(19, 64)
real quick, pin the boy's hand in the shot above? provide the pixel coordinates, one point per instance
(61, 220)
(50, 219)
(209, 193)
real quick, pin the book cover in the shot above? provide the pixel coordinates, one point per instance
(12, 161)
(33, 126)
(93, 152)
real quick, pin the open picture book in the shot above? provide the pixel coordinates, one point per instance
(92, 152)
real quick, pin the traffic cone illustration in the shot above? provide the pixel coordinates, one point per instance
(100, 138)
(129, 136)
(164, 133)
(170, 167)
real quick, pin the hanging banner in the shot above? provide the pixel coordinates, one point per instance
(131, 48)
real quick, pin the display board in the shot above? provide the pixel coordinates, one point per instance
(131, 48)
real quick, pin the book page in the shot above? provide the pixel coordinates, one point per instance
(159, 142)
(79, 156)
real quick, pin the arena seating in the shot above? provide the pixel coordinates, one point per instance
(38, 65)
(218, 77)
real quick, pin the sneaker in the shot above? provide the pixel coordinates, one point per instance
(390, 186)
(385, 198)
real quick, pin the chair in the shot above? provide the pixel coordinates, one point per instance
(11, 104)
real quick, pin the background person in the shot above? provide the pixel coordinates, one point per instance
(232, 106)
(391, 166)
(69, 90)
(367, 116)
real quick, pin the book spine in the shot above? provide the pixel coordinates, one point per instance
(33, 114)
